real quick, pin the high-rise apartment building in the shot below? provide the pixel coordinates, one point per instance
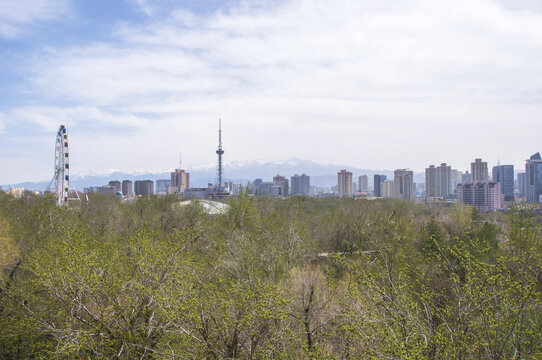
(403, 184)
(378, 179)
(444, 180)
(255, 188)
(180, 180)
(127, 188)
(466, 177)
(438, 181)
(116, 185)
(344, 180)
(504, 174)
(479, 170)
(484, 195)
(457, 178)
(363, 183)
(268, 188)
(430, 181)
(301, 184)
(386, 188)
(522, 184)
(533, 174)
(144, 187)
(282, 183)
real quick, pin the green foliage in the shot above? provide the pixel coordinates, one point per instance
(271, 278)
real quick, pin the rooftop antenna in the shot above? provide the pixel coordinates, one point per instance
(219, 152)
(180, 160)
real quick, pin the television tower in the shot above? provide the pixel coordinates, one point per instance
(219, 152)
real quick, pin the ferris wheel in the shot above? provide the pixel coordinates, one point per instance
(60, 183)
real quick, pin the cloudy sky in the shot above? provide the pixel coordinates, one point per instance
(373, 84)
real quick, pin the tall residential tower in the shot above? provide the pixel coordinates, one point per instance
(479, 170)
(504, 174)
(344, 182)
(378, 180)
(403, 184)
(533, 177)
(301, 184)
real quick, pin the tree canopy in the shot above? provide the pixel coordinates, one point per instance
(271, 278)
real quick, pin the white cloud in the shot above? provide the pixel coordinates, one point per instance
(522, 5)
(400, 84)
(145, 7)
(426, 49)
(17, 16)
(49, 118)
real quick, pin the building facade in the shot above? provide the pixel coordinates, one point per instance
(403, 184)
(483, 195)
(430, 181)
(106, 190)
(127, 188)
(504, 174)
(438, 181)
(457, 178)
(522, 184)
(255, 186)
(283, 184)
(533, 178)
(378, 179)
(267, 188)
(180, 181)
(116, 185)
(144, 187)
(386, 188)
(344, 183)
(162, 186)
(363, 183)
(479, 170)
(301, 184)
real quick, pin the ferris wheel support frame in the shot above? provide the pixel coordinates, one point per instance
(61, 177)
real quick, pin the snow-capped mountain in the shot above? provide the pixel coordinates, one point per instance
(242, 171)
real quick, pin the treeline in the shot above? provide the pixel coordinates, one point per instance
(298, 278)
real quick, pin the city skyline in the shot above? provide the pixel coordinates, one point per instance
(323, 81)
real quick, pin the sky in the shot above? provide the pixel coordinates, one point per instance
(375, 85)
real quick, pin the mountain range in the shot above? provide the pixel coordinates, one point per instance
(238, 171)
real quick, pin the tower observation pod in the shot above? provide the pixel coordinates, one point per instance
(60, 183)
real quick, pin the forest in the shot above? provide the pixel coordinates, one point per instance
(295, 278)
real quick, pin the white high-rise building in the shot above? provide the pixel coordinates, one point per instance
(363, 183)
(386, 188)
(344, 179)
(438, 181)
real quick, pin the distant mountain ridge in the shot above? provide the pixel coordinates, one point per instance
(241, 171)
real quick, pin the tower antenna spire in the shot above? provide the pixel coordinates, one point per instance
(219, 152)
(180, 160)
